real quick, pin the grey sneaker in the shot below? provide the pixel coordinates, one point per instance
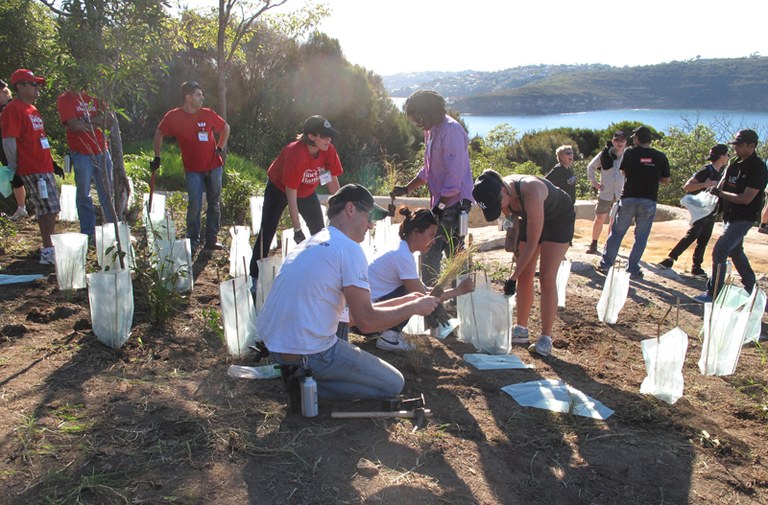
(519, 335)
(542, 347)
(391, 340)
(48, 256)
(21, 213)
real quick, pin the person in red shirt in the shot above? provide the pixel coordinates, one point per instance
(29, 154)
(19, 194)
(82, 116)
(194, 127)
(301, 166)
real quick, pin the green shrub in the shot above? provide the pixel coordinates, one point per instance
(235, 197)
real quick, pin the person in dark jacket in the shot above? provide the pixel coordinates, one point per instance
(562, 175)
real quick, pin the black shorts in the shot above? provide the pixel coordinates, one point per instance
(558, 227)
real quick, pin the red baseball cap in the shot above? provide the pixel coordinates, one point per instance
(24, 75)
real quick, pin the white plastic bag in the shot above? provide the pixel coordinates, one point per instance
(71, 250)
(174, 264)
(699, 205)
(664, 358)
(106, 246)
(614, 295)
(240, 251)
(110, 295)
(68, 203)
(486, 319)
(563, 272)
(238, 315)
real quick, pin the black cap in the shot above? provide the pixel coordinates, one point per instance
(717, 151)
(318, 125)
(642, 133)
(747, 136)
(487, 194)
(358, 194)
(619, 134)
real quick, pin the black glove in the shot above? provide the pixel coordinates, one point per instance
(298, 236)
(438, 209)
(398, 191)
(155, 163)
(510, 287)
(58, 170)
(714, 191)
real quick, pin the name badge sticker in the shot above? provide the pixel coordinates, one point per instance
(44, 143)
(325, 177)
(202, 136)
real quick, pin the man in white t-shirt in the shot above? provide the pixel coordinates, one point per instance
(301, 314)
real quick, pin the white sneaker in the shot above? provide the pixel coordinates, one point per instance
(21, 213)
(48, 256)
(542, 347)
(519, 335)
(390, 340)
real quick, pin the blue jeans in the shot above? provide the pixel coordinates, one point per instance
(88, 170)
(346, 372)
(731, 245)
(210, 184)
(642, 210)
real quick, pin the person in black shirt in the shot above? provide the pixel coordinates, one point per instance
(644, 169)
(562, 174)
(741, 198)
(701, 229)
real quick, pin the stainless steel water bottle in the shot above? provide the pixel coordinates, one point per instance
(309, 396)
(42, 188)
(463, 223)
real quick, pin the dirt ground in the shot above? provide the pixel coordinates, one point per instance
(159, 421)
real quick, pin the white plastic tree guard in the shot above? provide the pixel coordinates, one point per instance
(71, 250)
(110, 295)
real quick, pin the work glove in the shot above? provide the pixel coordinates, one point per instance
(155, 163)
(398, 191)
(298, 236)
(58, 170)
(714, 191)
(437, 210)
(510, 287)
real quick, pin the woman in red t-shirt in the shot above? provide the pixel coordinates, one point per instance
(300, 167)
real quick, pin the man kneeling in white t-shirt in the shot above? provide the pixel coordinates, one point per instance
(300, 316)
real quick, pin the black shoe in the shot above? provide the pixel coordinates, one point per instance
(291, 375)
(698, 272)
(667, 263)
(601, 270)
(592, 248)
(637, 275)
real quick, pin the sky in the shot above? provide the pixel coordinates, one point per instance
(393, 36)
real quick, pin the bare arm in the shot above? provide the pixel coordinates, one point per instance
(223, 137)
(744, 198)
(535, 193)
(157, 142)
(333, 186)
(694, 184)
(664, 180)
(370, 318)
(9, 146)
(293, 207)
(415, 184)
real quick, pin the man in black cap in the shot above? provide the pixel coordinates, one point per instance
(644, 169)
(741, 198)
(701, 229)
(299, 319)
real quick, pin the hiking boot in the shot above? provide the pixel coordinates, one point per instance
(601, 269)
(698, 272)
(391, 340)
(21, 213)
(48, 256)
(592, 249)
(667, 263)
(636, 275)
(519, 335)
(291, 375)
(542, 347)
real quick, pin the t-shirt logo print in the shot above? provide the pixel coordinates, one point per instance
(311, 175)
(201, 124)
(37, 122)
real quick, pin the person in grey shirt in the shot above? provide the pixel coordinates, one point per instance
(611, 182)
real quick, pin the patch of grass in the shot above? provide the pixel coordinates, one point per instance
(212, 322)
(71, 418)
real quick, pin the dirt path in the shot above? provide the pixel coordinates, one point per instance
(159, 421)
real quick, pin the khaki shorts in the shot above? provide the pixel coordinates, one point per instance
(603, 206)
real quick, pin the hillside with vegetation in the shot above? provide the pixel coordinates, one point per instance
(731, 84)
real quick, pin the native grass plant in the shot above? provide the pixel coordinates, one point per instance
(236, 197)
(8, 231)
(455, 264)
(176, 206)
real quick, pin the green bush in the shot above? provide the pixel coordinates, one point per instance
(236, 194)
